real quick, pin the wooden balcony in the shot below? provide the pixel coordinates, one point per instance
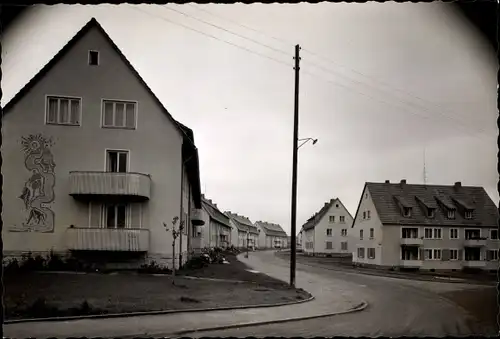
(95, 185)
(412, 241)
(480, 242)
(107, 239)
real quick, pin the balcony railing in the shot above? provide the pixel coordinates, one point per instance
(412, 241)
(478, 242)
(474, 263)
(410, 263)
(108, 239)
(84, 184)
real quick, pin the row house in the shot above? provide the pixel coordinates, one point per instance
(325, 233)
(94, 164)
(217, 229)
(271, 235)
(428, 227)
(244, 233)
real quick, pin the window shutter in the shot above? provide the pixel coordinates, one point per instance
(489, 255)
(74, 117)
(460, 255)
(445, 255)
(95, 214)
(135, 215)
(422, 254)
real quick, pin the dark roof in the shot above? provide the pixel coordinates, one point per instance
(271, 229)
(242, 223)
(214, 212)
(189, 150)
(316, 218)
(439, 197)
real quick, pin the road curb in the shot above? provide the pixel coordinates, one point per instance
(358, 308)
(137, 314)
(397, 276)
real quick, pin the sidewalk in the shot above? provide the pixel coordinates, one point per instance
(331, 296)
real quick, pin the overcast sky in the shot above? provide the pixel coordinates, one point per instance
(379, 83)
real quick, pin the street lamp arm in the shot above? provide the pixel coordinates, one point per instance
(305, 140)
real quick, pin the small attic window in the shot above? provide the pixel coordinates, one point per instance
(451, 214)
(93, 58)
(468, 214)
(337, 205)
(431, 212)
(407, 212)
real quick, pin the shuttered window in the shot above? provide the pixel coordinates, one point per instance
(119, 114)
(63, 111)
(328, 245)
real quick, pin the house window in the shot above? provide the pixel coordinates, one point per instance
(328, 245)
(409, 233)
(432, 254)
(366, 195)
(437, 233)
(119, 114)
(451, 214)
(428, 233)
(361, 252)
(328, 232)
(371, 253)
(492, 254)
(93, 58)
(337, 205)
(360, 234)
(343, 246)
(342, 219)
(364, 215)
(453, 233)
(115, 216)
(117, 161)
(368, 214)
(468, 214)
(494, 234)
(453, 254)
(431, 212)
(372, 231)
(344, 232)
(407, 212)
(332, 219)
(63, 111)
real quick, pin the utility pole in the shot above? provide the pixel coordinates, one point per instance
(294, 170)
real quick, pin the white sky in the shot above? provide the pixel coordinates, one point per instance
(379, 82)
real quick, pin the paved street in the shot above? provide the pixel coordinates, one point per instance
(332, 296)
(397, 308)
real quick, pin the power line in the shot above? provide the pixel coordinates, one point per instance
(228, 31)
(213, 37)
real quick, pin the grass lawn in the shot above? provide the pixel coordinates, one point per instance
(61, 294)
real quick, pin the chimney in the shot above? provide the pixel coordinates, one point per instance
(458, 184)
(387, 182)
(403, 181)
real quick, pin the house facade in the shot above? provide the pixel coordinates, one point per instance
(217, 230)
(428, 227)
(299, 239)
(271, 235)
(245, 234)
(326, 232)
(95, 167)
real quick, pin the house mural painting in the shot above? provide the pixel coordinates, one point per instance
(38, 191)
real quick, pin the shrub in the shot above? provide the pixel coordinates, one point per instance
(32, 264)
(55, 263)
(154, 268)
(196, 262)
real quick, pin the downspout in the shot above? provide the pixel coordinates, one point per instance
(190, 227)
(181, 214)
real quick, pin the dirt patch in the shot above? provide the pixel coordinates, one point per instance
(481, 304)
(42, 294)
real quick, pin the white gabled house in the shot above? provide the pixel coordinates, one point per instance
(271, 235)
(428, 227)
(94, 164)
(326, 232)
(244, 233)
(217, 229)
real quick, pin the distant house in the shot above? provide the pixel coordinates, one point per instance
(217, 229)
(94, 163)
(429, 227)
(271, 235)
(326, 232)
(244, 233)
(299, 239)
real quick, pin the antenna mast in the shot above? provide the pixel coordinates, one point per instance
(425, 172)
